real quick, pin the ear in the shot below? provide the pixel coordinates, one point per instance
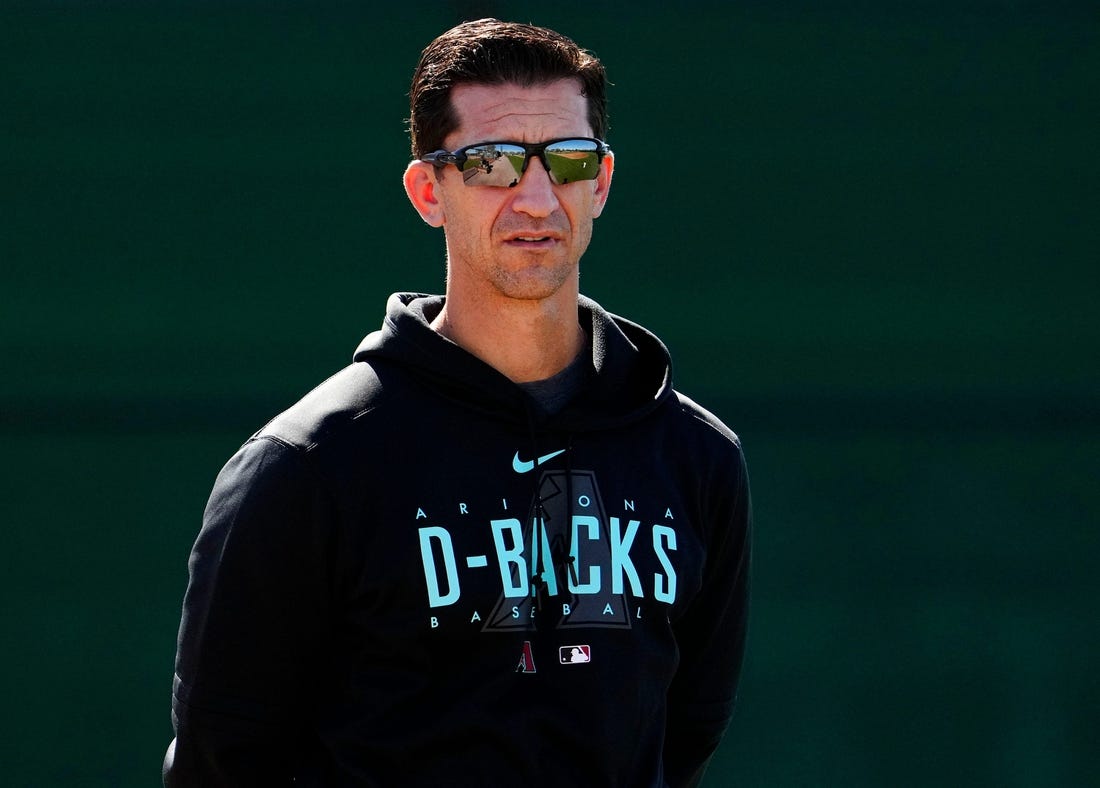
(420, 185)
(603, 184)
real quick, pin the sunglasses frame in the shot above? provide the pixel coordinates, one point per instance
(441, 158)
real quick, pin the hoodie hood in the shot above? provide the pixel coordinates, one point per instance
(629, 375)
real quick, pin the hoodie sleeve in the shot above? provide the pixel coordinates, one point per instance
(711, 635)
(253, 614)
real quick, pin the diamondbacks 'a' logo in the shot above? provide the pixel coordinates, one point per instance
(526, 662)
(604, 608)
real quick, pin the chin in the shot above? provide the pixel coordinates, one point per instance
(533, 284)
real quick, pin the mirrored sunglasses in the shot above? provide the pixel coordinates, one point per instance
(503, 163)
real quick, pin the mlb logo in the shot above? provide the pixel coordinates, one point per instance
(574, 655)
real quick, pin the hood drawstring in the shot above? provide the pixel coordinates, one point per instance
(567, 558)
(538, 583)
(561, 560)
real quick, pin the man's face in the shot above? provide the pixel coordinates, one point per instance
(523, 242)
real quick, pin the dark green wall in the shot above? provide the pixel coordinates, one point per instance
(868, 232)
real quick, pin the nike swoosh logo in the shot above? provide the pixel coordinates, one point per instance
(523, 466)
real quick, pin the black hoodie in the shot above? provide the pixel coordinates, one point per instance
(415, 577)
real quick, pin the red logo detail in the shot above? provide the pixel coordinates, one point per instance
(527, 659)
(574, 655)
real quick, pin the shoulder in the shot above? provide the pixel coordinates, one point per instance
(705, 422)
(329, 409)
(306, 448)
(705, 443)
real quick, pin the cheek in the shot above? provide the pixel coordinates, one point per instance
(477, 207)
(582, 212)
(465, 216)
(470, 230)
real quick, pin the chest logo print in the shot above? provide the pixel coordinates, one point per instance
(526, 662)
(575, 655)
(524, 466)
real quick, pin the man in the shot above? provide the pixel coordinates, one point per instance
(497, 549)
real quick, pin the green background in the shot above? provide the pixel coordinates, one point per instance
(868, 232)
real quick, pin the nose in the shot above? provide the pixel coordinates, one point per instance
(534, 194)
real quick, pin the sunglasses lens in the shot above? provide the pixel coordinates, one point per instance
(573, 160)
(502, 163)
(497, 164)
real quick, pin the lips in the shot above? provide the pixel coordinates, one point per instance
(532, 238)
(532, 243)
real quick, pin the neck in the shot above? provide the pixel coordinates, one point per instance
(525, 340)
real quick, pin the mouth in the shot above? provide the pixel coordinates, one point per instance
(531, 240)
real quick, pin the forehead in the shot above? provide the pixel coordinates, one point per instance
(518, 113)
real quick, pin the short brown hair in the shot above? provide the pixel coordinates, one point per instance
(489, 51)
